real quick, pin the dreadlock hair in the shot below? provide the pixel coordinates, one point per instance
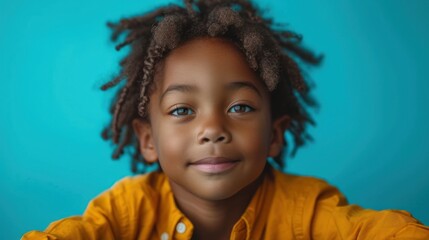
(272, 53)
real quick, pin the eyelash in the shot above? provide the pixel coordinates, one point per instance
(247, 107)
(175, 111)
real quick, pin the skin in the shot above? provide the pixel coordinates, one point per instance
(207, 102)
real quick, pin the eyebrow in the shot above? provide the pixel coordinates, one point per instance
(186, 88)
(241, 84)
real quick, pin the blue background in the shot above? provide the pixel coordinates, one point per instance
(371, 137)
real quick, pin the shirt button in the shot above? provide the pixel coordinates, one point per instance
(164, 236)
(181, 227)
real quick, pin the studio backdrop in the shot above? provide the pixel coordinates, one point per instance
(371, 138)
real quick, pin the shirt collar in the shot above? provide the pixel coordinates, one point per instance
(171, 223)
(252, 223)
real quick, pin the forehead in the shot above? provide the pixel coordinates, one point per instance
(207, 60)
(206, 48)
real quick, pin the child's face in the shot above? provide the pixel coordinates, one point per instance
(210, 126)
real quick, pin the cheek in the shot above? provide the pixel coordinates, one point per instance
(172, 142)
(255, 137)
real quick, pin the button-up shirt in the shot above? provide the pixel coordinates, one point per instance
(285, 206)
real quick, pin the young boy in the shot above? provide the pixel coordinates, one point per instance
(210, 91)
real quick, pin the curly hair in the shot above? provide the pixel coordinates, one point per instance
(273, 53)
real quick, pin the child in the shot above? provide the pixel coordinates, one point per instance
(210, 90)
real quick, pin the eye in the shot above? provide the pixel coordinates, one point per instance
(181, 111)
(241, 108)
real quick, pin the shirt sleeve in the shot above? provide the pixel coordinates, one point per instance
(334, 219)
(106, 217)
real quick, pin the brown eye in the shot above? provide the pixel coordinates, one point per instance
(240, 108)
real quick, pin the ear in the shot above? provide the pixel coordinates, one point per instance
(280, 125)
(143, 131)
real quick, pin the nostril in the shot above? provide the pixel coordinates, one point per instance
(221, 139)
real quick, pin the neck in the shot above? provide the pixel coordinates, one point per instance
(214, 219)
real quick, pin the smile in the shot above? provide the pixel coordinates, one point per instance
(214, 165)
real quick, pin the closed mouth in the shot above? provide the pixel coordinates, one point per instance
(214, 165)
(213, 161)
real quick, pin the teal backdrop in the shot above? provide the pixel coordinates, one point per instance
(371, 138)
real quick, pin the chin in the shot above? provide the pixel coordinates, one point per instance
(218, 191)
(217, 196)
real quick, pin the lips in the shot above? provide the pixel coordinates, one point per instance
(213, 160)
(214, 165)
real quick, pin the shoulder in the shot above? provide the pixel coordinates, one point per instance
(135, 192)
(310, 188)
(127, 203)
(320, 211)
(129, 193)
(296, 200)
(129, 198)
(147, 184)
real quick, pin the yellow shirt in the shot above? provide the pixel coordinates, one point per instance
(284, 207)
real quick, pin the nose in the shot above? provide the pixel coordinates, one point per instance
(213, 130)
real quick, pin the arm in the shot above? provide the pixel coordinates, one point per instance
(335, 220)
